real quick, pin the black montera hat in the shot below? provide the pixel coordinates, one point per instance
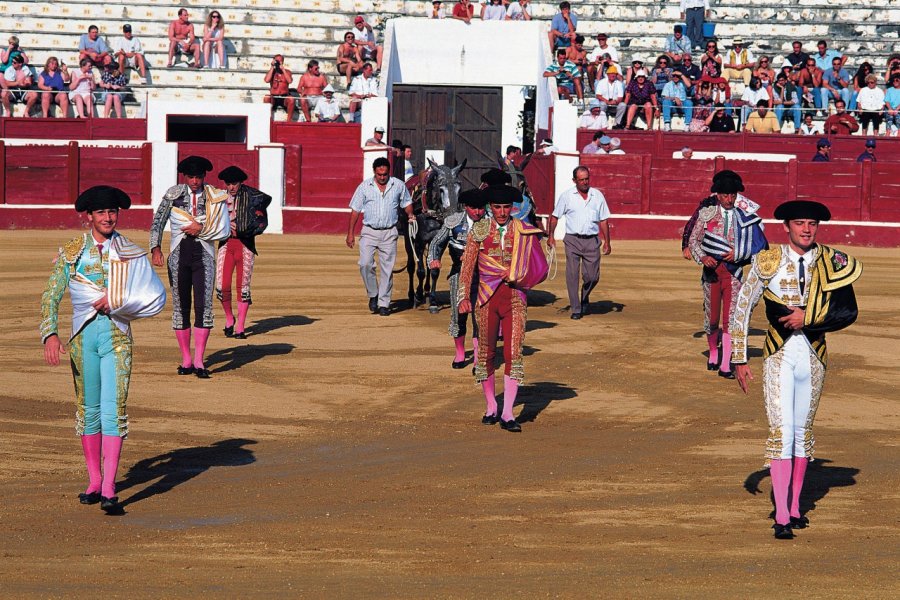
(101, 197)
(502, 194)
(493, 177)
(474, 198)
(232, 174)
(195, 166)
(727, 182)
(802, 209)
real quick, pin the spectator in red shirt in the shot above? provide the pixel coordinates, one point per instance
(463, 11)
(841, 122)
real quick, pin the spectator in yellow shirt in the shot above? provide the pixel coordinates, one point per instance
(763, 120)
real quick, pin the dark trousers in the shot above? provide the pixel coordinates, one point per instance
(582, 258)
(190, 280)
(694, 19)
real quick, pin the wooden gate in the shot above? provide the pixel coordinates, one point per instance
(464, 122)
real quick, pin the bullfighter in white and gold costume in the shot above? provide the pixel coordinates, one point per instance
(808, 292)
(111, 283)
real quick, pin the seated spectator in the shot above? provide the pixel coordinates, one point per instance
(762, 120)
(129, 53)
(703, 106)
(92, 47)
(594, 146)
(112, 82)
(81, 88)
(868, 154)
(841, 122)
(892, 107)
(52, 84)
(893, 67)
(661, 74)
(809, 127)
(568, 77)
(182, 39)
(11, 52)
(437, 10)
(518, 11)
(279, 79)
(614, 146)
(377, 138)
(677, 45)
(798, 56)
(674, 97)
(600, 59)
(310, 88)
(764, 67)
(463, 11)
(637, 64)
(719, 122)
(593, 117)
(721, 94)
(871, 105)
(687, 153)
(365, 40)
(610, 93)
(328, 110)
(739, 62)
(546, 147)
(214, 41)
(15, 84)
(835, 84)
(349, 57)
(858, 83)
(640, 93)
(493, 11)
(563, 26)
(578, 55)
(364, 86)
(810, 81)
(691, 71)
(823, 151)
(824, 57)
(786, 99)
(753, 93)
(711, 62)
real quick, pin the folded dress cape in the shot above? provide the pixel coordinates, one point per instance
(134, 290)
(216, 224)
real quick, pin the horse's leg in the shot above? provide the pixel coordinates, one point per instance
(410, 268)
(420, 272)
(434, 305)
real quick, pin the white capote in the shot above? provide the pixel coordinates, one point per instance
(134, 290)
(216, 223)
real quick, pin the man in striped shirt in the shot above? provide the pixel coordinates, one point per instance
(378, 199)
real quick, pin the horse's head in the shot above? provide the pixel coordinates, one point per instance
(445, 180)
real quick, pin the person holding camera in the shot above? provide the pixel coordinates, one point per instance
(16, 83)
(893, 67)
(279, 80)
(12, 51)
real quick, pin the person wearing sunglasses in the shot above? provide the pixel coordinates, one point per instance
(214, 41)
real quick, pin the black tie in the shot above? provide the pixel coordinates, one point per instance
(802, 277)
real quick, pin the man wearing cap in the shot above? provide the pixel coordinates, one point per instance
(546, 147)
(593, 117)
(586, 213)
(453, 233)
(823, 151)
(510, 261)
(279, 79)
(677, 45)
(739, 62)
(365, 39)
(693, 13)
(130, 54)
(111, 283)
(248, 218)
(610, 93)
(723, 239)
(869, 153)
(197, 214)
(328, 110)
(377, 138)
(378, 200)
(310, 88)
(594, 146)
(808, 291)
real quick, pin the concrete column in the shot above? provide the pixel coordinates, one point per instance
(374, 113)
(271, 181)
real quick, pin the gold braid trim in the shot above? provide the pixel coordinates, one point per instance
(481, 229)
(768, 261)
(74, 248)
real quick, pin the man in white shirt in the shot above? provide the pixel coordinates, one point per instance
(363, 86)
(601, 57)
(518, 11)
(611, 94)
(328, 110)
(586, 214)
(593, 117)
(365, 39)
(128, 51)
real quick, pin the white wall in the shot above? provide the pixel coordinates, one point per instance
(258, 117)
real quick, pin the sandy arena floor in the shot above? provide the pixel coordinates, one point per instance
(335, 454)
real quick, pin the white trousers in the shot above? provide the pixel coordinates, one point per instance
(792, 381)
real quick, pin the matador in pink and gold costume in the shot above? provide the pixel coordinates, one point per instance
(510, 261)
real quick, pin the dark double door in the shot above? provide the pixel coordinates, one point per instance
(464, 122)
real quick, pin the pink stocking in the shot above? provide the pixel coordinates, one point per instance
(201, 335)
(460, 343)
(475, 346)
(229, 313)
(112, 449)
(184, 342)
(490, 399)
(780, 470)
(713, 341)
(510, 390)
(725, 366)
(243, 307)
(91, 446)
(800, 464)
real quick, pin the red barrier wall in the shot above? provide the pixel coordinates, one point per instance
(73, 129)
(223, 155)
